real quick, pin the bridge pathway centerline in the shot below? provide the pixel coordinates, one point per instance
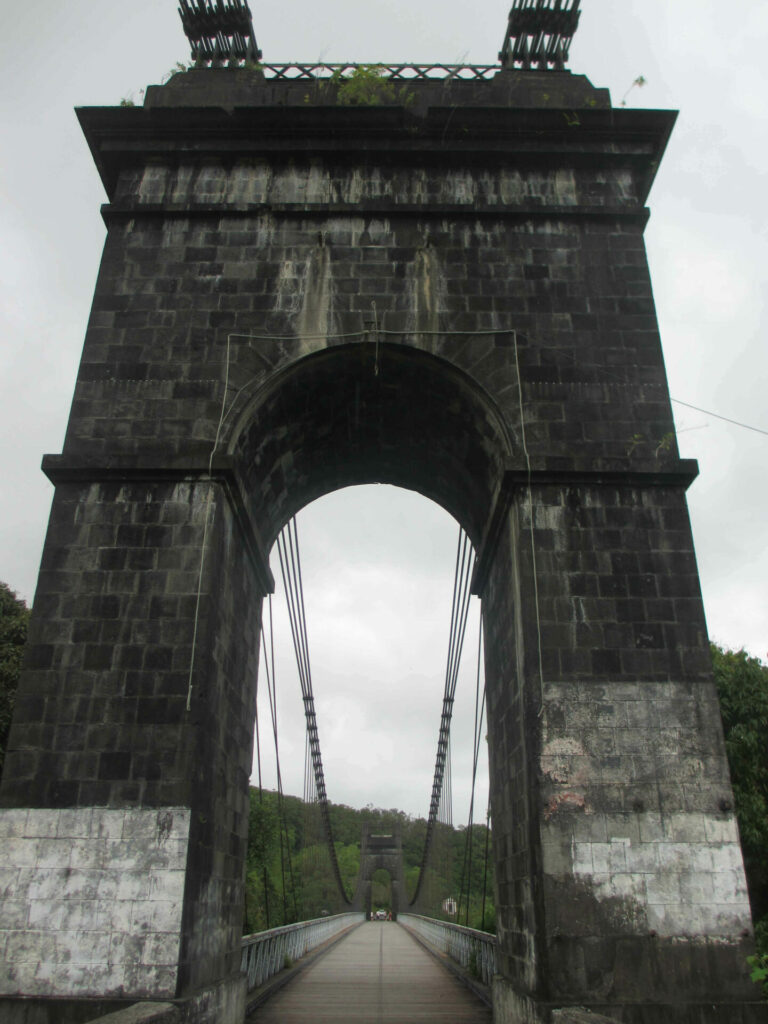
(378, 974)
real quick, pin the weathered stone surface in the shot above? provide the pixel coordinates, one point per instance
(143, 1013)
(449, 294)
(91, 901)
(577, 1016)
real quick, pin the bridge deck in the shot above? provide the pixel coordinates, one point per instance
(378, 974)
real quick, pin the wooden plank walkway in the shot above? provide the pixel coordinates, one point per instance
(378, 974)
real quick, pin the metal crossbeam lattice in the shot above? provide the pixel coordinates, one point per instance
(539, 34)
(391, 72)
(219, 30)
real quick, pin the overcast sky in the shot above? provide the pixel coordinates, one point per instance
(379, 562)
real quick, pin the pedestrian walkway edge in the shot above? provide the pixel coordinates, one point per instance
(260, 995)
(476, 987)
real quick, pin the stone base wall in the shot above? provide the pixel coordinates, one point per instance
(513, 1007)
(60, 1011)
(91, 901)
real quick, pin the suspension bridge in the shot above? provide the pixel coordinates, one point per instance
(315, 277)
(354, 962)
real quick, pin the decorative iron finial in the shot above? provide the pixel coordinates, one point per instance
(539, 34)
(219, 30)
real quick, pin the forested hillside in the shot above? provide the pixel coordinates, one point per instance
(14, 618)
(289, 877)
(742, 683)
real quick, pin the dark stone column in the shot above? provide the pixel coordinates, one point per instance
(125, 791)
(620, 880)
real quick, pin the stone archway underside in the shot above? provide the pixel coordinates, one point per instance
(360, 414)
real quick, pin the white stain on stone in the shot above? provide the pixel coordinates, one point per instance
(91, 901)
(249, 182)
(563, 745)
(693, 887)
(316, 184)
(313, 325)
(210, 184)
(565, 188)
(153, 184)
(459, 187)
(288, 287)
(426, 286)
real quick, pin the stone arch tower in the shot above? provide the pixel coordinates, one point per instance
(448, 292)
(381, 852)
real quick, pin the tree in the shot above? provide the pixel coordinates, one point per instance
(288, 872)
(14, 617)
(742, 684)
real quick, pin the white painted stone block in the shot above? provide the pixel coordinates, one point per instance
(91, 901)
(13, 823)
(88, 853)
(75, 822)
(642, 858)
(685, 886)
(722, 830)
(601, 858)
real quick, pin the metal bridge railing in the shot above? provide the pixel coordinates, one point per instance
(265, 953)
(475, 951)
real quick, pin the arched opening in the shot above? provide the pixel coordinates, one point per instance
(358, 414)
(361, 414)
(381, 894)
(378, 570)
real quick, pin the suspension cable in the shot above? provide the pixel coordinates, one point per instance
(290, 570)
(476, 740)
(485, 858)
(464, 567)
(285, 849)
(261, 791)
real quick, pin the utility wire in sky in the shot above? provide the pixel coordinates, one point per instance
(708, 412)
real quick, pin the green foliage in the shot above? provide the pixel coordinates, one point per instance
(364, 86)
(664, 447)
(638, 83)
(635, 442)
(759, 962)
(759, 973)
(742, 684)
(277, 895)
(14, 619)
(666, 444)
(381, 890)
(177, 69)
(126, 102)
